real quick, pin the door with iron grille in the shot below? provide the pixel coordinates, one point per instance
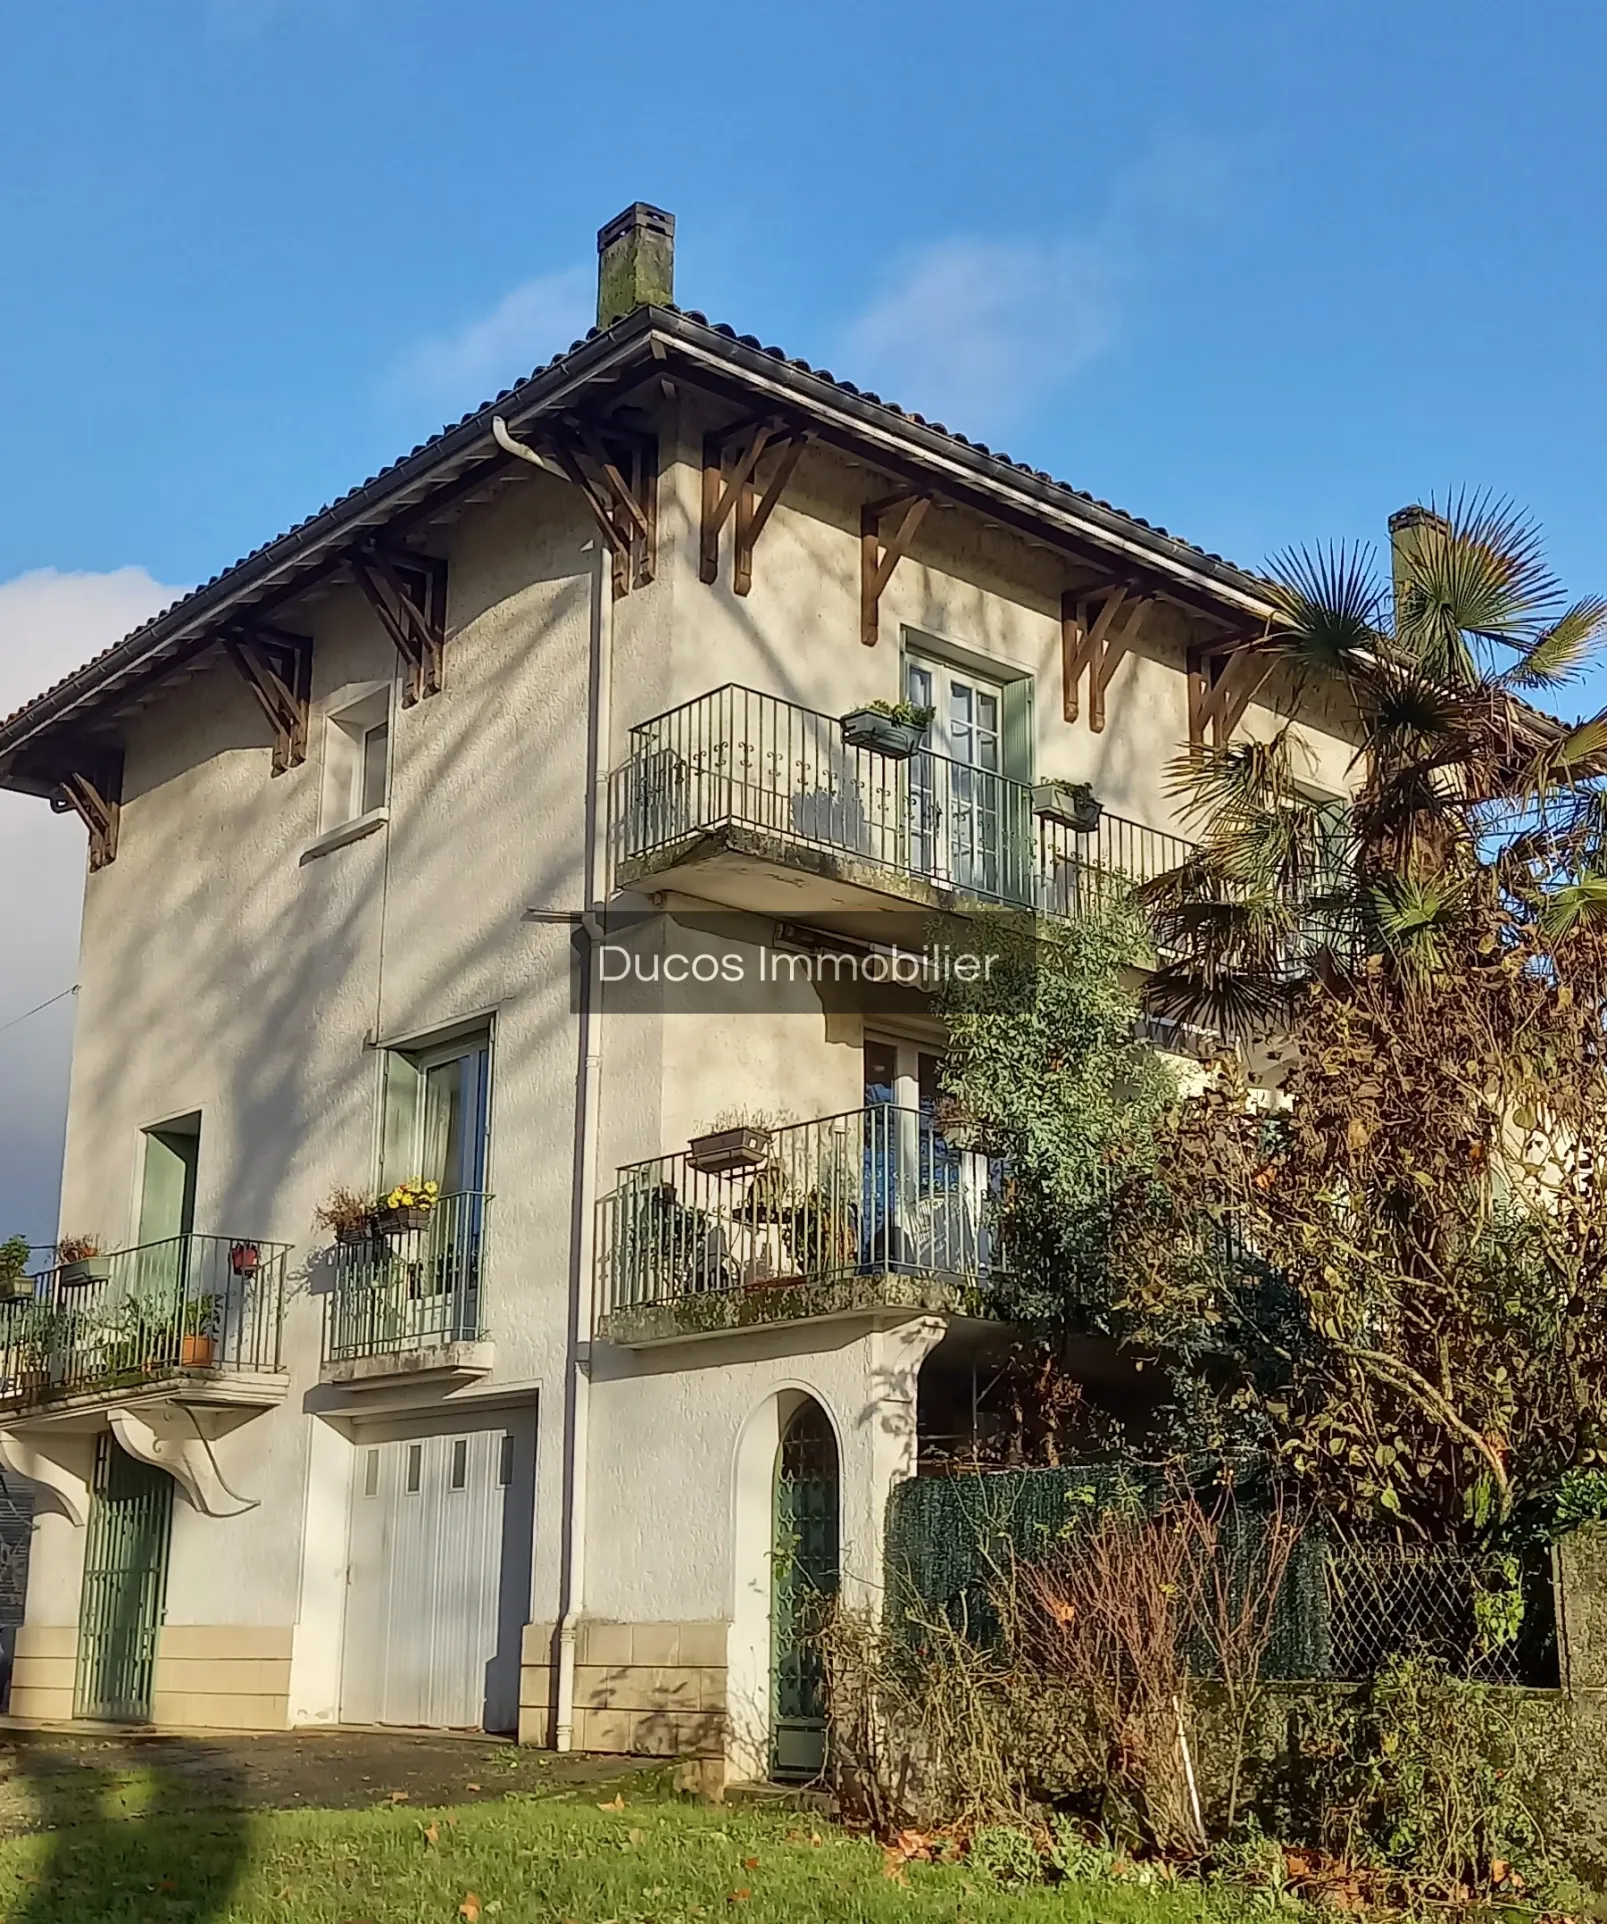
(804, 1567)
(125, 1585)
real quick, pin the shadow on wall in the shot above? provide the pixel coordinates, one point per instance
(183, 1859)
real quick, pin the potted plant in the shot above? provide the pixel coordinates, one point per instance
(16, 1285)
(1073, 803)
(407, 1207)
(81, 1260)
(197, 1338)
(347, 1215)
(742, 1145)
(891, 728)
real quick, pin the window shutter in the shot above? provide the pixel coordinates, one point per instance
(399, 1143)
(1019, 755)
(1015, 814)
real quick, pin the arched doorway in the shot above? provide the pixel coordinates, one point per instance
(805, 1564)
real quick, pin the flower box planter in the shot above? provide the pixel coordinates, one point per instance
(401, 1221)
(349, 1235)
(724, 1150)
(86, 1269)
(1073, 803)
(245, 1259)
(16, 1289)
(882, 734)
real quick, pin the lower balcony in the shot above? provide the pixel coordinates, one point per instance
(195, 1317)
(850, 1216)
(406, 1300)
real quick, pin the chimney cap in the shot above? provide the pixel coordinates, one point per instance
(640, 214)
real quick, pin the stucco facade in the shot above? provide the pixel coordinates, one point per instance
(250, 963)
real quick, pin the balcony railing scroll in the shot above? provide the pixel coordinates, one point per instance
(405, 1289)
(735, 757)
(875, 1191)
(191, 1302)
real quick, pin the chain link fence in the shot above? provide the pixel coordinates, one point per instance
(1346, 1609)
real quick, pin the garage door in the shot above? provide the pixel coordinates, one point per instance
(438, 1580)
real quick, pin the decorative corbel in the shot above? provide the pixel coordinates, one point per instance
(408, 593)
(731, 461)
(1222, 682)
(277, 668)
(68, 1489)
(170, 1439)
(1090, 639)
(878, 558)
(619, 480)
(93, 791)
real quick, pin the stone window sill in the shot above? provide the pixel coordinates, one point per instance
(352, 831)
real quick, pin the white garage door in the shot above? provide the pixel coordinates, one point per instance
(438, 1581)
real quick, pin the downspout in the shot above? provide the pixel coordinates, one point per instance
(588, 1124)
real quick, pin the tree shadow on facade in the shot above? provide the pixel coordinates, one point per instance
(156, 1829)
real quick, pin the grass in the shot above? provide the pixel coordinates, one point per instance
(522, 1860)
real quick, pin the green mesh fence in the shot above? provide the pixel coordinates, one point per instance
(1341, 1614)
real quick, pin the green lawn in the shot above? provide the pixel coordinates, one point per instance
(543, 1857)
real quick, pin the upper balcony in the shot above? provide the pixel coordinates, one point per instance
(847, 1216)
(196, 1318)
(755, 803)
(406, 1300)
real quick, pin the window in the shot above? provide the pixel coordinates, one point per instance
(460, 1462)
(415, 1467)
(437, 1108)
(968, 818)
(505, 1460)
(357, 759)
(371, 1473)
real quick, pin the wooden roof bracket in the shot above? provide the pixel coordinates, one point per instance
(624, 505)
(277, 668)
(1222, 682)
(731, 460)
(417, 633)
(93, 791)
(878, 558)
(1089, 639)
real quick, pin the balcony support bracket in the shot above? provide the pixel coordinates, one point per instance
(878, 558)
(731, 461)
(66, 1487)
(1090, 639)
(169, 1437)
(418, 633)
(277, 668)
(1221, 686)
(93, 792)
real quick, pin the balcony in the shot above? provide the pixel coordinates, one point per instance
(755, 803)
(847, 1216)
(406, 1302)
(197, 1318)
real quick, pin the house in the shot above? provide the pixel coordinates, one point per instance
(367, 815)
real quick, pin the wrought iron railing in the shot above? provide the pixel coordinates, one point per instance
(407, 1289)
(877, 1191)
(738, 757)
(137, 1315)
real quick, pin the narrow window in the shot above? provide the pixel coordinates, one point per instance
(460, 1462)
(376, 745)
(371, 1473)
(505, 1460)
(356, 759)
(415, 1467)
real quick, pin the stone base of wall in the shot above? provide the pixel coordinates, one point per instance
(43, 1672)
(641, 1689)
(222, 1676)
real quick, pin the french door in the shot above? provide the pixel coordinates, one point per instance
(959, 803)
(925, 1202)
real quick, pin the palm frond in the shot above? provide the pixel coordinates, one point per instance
(1329, 604)
(1243, 1004)
(1472, 571)
(1562, 649)
(1574, 903)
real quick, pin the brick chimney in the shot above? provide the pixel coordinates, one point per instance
(1407, 530)
(635, 262)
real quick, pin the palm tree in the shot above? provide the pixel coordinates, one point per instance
(1463, 791)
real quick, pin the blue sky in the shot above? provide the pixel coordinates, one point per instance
(1259, 272)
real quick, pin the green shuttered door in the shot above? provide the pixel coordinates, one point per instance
(125, 1585)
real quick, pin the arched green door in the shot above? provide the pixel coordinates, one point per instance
(805, 1570)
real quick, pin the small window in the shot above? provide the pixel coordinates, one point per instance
(415, 1467)
(357, 759)
(460, 1462)
(371, 1473)
(505, 1460)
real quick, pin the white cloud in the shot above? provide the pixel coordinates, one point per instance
(455, 372)
(50, 623)
(975, 331)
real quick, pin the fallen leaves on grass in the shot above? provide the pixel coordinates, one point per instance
(738, 1897)
(616, 1802)
(432, 1833)
(469, 1909)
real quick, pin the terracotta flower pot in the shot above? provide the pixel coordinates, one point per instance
(196, 1350)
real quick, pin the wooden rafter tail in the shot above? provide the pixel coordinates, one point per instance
(754, 508)
(723, 482)
(1091, 640)
(277, 668)
(1222, 683)
(878, 558)
(625, 509)
(94, 793)
(417, 633)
